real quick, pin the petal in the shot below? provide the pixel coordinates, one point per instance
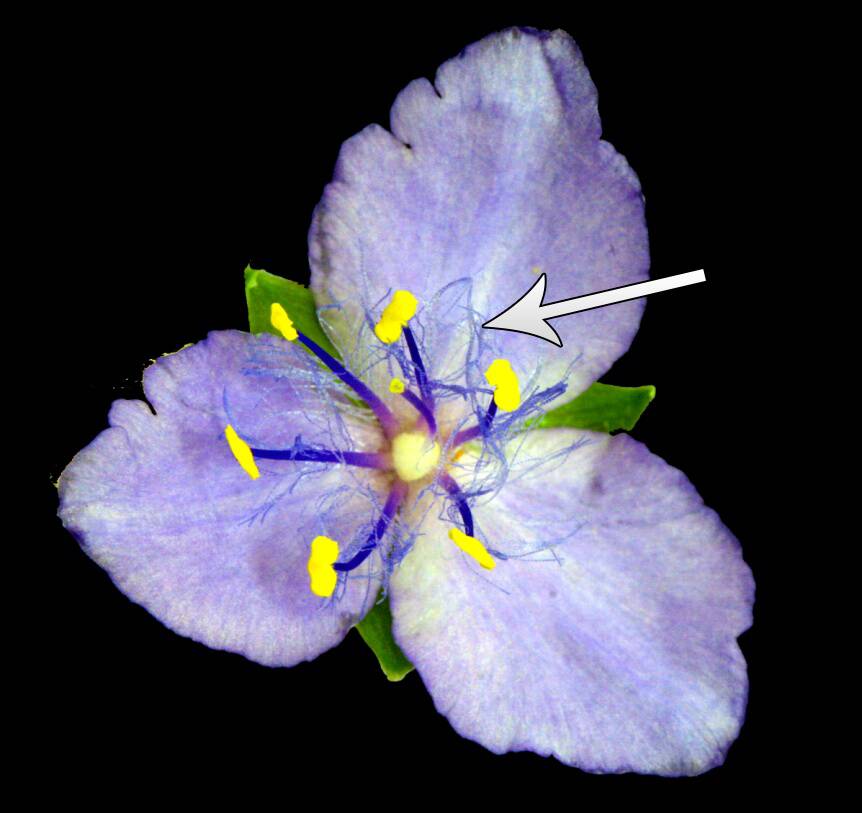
(495, 170)
(159, 501)
(615, 649)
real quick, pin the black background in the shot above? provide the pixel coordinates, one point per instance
(173, 153)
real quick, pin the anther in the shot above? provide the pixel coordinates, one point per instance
(400, 310)
(507, 391)
(324, 552)
(281, 322)
(473, 547)
(242, 452)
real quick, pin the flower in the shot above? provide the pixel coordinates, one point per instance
(558, 590)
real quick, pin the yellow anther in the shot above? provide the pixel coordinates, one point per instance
(402, 307)
(473, 547)
(281, 322)
(324, 554)
(507, 391)
(414, 455)
(395, 316)
(242, 452)
(396, 385)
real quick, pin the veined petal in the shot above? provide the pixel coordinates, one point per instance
(614, 649)
(159, 501)
(494, 173)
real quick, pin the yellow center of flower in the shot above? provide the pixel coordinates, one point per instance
(414, 455)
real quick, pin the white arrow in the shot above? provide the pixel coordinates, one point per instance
(529, 315)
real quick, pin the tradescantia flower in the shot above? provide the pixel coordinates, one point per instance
(558, 589)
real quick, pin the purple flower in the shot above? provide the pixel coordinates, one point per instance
(558, 590)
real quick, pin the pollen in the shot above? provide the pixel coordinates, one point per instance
(324, 553)
(507, 391)
(473, 547)
(242, 452)
(414, 455)
(396, 385)
(395, 317)
(281, 322)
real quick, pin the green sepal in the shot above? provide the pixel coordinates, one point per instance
(601, 408)
(263, 288)
(376, 631)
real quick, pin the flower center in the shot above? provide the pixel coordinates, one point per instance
(414, 455)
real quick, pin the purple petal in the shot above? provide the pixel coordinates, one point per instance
(159, 501)
(504, 173)
(614, 649)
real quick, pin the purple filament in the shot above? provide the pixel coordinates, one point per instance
(480, 429)
(392, 503)
(421, 375)
(454, 491)
(386, 418)
(422, 408)
(368, 460)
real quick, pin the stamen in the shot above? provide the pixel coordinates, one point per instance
(489, 415)
(368, 460)
(473, 547)
(454, 491)
(422, 409)
(241, 451)
(395, 317)
(465, 539)
(324, 552)
(507, 391)
(386, 418)
(421, 374)
(507, 397)
(466, 435)
(396, 385)
(392, 503)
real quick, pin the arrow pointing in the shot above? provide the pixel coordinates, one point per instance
(530, 315)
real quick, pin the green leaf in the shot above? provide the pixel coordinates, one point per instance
(376, 631)
(263, 288)
(602, 408)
